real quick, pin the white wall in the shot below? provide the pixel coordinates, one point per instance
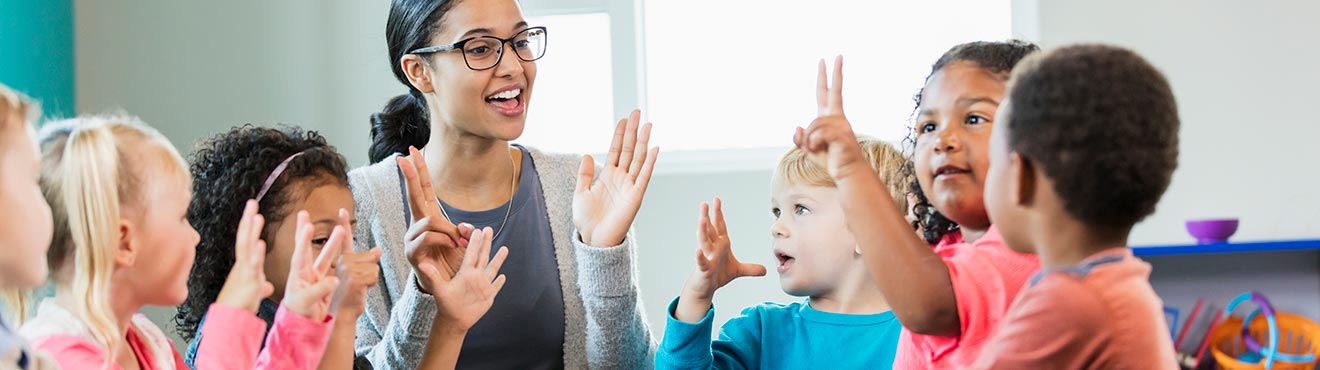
(192, 69)
(1244, 76)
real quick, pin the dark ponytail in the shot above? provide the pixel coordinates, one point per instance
(998, 57)
(405, 119)
(402, 123)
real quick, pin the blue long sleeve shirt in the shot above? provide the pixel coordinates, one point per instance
(779, 336)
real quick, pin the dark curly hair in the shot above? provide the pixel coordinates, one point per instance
(227, 170)
(998, 57)
(1102, 124)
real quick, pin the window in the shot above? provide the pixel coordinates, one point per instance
(741, 73)
(572, 102)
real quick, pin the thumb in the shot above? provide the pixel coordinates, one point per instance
(751, 269)
(432, 274)
(585, 173)
(465, 230)
(703, 263)
(267, 289)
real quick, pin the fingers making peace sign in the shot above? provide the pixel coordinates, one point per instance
(829, 140)
(309, 288)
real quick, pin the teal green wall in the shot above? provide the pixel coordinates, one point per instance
(36, 52)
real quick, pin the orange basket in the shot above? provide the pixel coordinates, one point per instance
(1297, 335)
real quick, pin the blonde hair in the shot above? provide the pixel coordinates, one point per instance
(95, 172)
(796, 168)
(13, 103)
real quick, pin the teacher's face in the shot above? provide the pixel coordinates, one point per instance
(490, 103)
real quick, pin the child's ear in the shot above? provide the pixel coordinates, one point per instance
(1023, 173)
(419, 74)
(126, 248)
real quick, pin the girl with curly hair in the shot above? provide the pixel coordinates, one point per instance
(296, 177)
(119, 194)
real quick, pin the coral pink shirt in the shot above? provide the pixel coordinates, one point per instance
(986, 277)
(1101, 314)
(234, 338)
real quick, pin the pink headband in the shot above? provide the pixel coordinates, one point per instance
(274, 175)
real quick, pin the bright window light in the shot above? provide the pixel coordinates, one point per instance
(573, 98)
(735, 74)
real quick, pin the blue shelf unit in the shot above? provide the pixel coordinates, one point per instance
(1227, 247)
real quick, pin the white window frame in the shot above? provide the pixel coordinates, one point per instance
(628, 64)
(628, 47)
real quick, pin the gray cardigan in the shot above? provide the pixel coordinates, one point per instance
(604, 326)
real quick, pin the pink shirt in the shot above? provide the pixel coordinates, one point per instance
(233, 339)
(1104, 318)
(986, 277)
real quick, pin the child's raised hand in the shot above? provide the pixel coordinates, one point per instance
(246, 284)
(431, 238)
(829, 140)
(466, 296)
(362, 271)
(716, 266)
(309, 288)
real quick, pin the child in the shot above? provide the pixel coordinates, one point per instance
(285, 170)
(25, 227)
(289, 169)
(1088, 146)
(845, 318)
(949, 299)
(119, 195)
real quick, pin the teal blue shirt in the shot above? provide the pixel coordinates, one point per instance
(778, 336)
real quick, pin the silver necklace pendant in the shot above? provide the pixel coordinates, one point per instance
(508, 208)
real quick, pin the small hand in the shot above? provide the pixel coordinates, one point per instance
(716, 266)
(246, 284)
(604, 210)
(310, 286)
(829, 140)
(362, 270)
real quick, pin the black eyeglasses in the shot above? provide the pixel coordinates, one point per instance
(484, 52)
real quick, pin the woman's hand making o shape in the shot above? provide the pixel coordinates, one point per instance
(431, 239)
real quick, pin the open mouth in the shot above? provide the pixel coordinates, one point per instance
(785, 260)
(507, 102)
(948, 170)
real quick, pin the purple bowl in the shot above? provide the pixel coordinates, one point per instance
(1213, 230)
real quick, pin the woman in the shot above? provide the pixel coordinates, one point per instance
(572, 298)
